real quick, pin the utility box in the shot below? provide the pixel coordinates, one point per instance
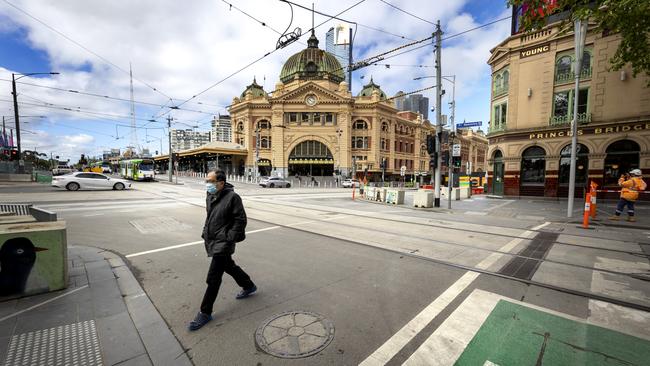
(423, 198)
(395, 196)
(33, 257)
(382, 195)
(371, 193)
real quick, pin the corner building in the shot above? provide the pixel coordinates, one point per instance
(532, 108)
(311, 124)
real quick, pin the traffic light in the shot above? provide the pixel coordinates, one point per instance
(433, 163)
(456, 161)
(431, 144)
(445, 158)
(13, 155)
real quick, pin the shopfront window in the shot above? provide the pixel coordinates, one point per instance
(582, 165)
(533, 166)
(622, 156)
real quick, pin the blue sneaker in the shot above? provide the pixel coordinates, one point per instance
(199, 321)
(246, 292)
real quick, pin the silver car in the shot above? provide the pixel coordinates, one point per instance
(88, 180)
(272, 182)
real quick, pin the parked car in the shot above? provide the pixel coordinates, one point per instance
(272, 182)
(89, 180)
(62, 169)
(348, 183)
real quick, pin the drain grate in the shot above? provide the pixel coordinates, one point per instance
(538, 248)
(72, 344)
(158, 224)
(294, 334)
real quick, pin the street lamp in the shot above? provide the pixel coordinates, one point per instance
(16, 116)
(339, 132)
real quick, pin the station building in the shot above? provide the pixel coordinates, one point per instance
(532, 105)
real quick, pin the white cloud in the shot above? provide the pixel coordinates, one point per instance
(183, 48)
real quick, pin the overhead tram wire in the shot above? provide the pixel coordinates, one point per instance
(253, 62)
(86, 48)
(406, 12)
(104, 96)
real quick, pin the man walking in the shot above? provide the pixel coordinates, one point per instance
(225, 225)
(630, 184)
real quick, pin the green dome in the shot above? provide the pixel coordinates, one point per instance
(255, 89)
(312, 63)
(369, 88)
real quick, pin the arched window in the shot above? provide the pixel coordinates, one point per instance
(622, 156)
(264, 125)
(240, 127)
(582, 164)
(506, 76)
(563, 66)
(586, 64)
(265, 142)
(498, 155)
(498, 82)
(311, 68)
(360, 125)
(384, 126)
(533, 166)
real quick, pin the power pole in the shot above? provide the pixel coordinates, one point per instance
(171, 153)
(350, 60)
(437, 50)
(17, 121)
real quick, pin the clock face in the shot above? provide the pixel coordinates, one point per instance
(310, 100)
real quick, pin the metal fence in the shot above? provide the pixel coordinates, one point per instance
(11, 167)
(20, 209)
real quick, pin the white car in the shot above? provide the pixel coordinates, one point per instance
(348, 183)
(87, 180)
(272, 182)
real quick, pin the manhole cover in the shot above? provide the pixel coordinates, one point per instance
(294, 334)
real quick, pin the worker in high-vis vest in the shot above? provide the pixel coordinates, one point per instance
(631, 184)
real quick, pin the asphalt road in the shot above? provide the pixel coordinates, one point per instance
(379, 273)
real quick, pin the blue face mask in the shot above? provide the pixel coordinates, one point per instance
(211, 188)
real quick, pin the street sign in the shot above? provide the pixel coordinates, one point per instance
(455, 150)
(402, 170)
(469, 124)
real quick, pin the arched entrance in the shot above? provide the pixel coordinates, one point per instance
(622, 156)
(582, 170)
(497, 178)
(311, 158)
(533, 171)
(264, 167)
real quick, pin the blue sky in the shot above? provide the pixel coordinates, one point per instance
(193, 50)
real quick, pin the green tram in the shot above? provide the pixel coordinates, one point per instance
(137, 169)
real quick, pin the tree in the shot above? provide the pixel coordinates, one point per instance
(629, 18)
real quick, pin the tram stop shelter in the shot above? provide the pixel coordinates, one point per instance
(227, 156)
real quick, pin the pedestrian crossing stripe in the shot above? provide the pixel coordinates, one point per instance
(489, 329)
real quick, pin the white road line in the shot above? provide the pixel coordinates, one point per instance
(43, 303)
(189, 244)
(500, 205)
(97, 214)
(395, 344)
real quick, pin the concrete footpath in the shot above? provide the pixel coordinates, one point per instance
(103, 318)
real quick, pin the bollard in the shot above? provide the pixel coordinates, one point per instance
(585, 217)
(594, 195)
(353, 190)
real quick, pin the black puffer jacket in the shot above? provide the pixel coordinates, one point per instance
(225, 223)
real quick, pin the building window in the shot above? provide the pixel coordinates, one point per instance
(582, 165)
(317, 118)
(499, 117)
(564, 72)
(622, 156)
(563, 107)
(360, 125)
(304, 118)
(291, 117)
(265, 142)
(385, 127)
(533, 166)
(264, 125)
(500, 83)
(385, 144)
(359, 142)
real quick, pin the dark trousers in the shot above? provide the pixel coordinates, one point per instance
(621, 205)
(219, 265)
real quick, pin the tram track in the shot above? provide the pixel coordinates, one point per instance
(465, 230)
(530, 282)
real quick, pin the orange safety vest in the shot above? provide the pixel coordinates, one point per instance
(630, 188)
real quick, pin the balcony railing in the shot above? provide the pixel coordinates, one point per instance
(583, 118)
(569, 76)
(497, 128)
(500, 90)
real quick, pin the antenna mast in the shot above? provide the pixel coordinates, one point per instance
(134, 136)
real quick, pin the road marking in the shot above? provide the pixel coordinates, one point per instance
(43, 303)
(97, 214)
(500, 205)
(395, 343)
(189, 244)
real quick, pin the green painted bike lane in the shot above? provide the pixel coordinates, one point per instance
(514, 334)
